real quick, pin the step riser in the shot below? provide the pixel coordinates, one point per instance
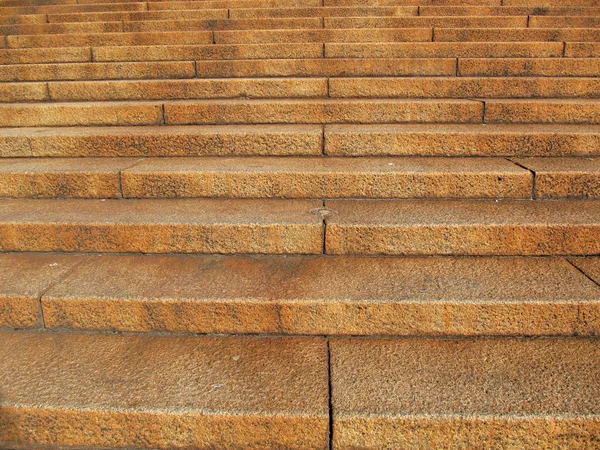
(284, 140)
(513, 227)
(264, 178)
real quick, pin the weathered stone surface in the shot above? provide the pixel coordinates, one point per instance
(161, 226)
(582, 49)
(545, 67)
(564, 177)
(326, 67)
(565, 22)
(84, 113)
(234, 140)
(327, 177)
(65, 28)
(464, 394)
(163, 392)
(23, 280)
(351, 11)
(97, 71)
(322, 111)
(204, 14)
(213, 51)
(535, 10)
(22, 92)
(443, 22)
(464, 87)
(188, 89)
(576, 111)
(324, 295)
(320, 35)
(102, 39)
(589, 316)
(517, 34)
(462, 140)
(430, 227)
(62, 177)
(223, 24)
(444, 50)
(43, 55)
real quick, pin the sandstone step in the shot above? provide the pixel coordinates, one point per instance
(222, 24)
(421, 3)
(461, 140)
(204, 14)
(271, 177)
(233, 140)
(583, 111)
(430, 227)
(492, 393)
(109, 39)
(43, 55)
(546, 67)
(330, 67)
(188, 89)
(565, 22)
(321, 35)
(582, 49)
(324, 12)
(458, 87)
(23, 19)
(445, 50)
(317, 111)
(433, 21)
(303, 140)
(23, 92)
(55, 9)
(564, 177)
(62, 177)
(162, 226)
(25, 277)
(160, 391)
(300, 295)
(98, 71)
(229, 4)
(545, 3)
(298, 111)
(210, 52)
(58, 28)
(508, 10)
(516, 34)
(82, 113)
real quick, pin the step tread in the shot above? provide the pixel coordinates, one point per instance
(385, 392)
(163, 226)
(564, 177)
(323, 295)
(192, 391)
(449, 227)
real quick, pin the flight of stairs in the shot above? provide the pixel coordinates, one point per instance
(300, 224)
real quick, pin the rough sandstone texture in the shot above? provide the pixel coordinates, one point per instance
(23, 280)
(324, 295)
(564, 177)
(153, 226)
(326, 177)
(323, 111)
(499, 393)
(235, 140)
(429, 227)
(62, 177)
(163, 392)
(210, 52)
(461, 140)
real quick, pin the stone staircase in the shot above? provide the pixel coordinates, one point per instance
(300, 224)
